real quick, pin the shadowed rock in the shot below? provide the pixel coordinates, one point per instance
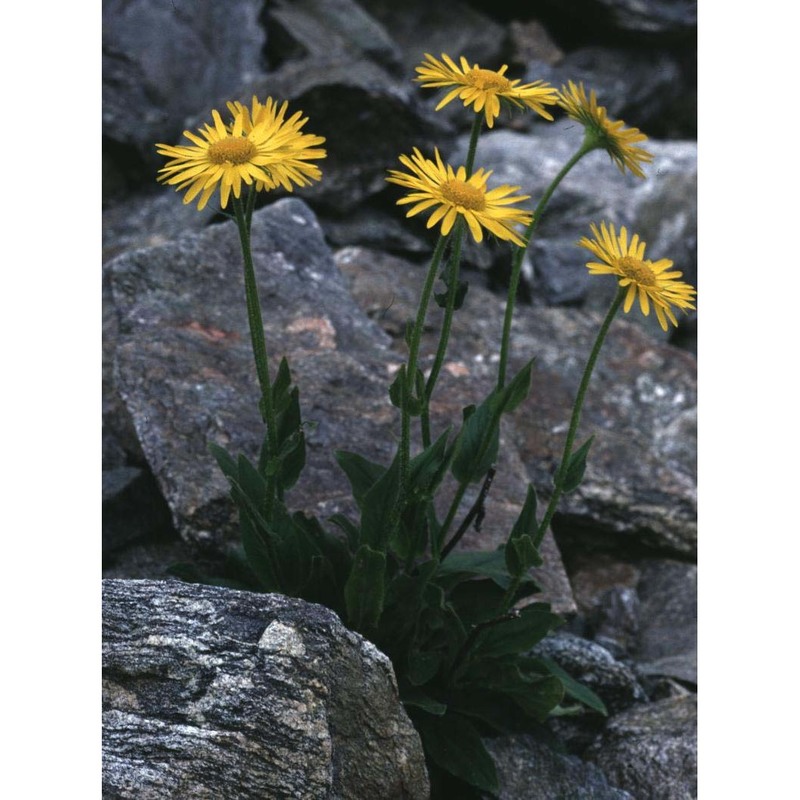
(651, 750)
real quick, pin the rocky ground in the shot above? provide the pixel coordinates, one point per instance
(339, 269)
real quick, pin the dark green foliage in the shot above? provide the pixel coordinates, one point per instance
(449, 624)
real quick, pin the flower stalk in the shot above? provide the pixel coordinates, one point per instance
(258, 342)
(519, 254)
(576, 417)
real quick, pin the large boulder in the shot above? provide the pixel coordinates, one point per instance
(211, 693)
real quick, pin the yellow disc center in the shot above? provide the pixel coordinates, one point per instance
(487, 79)
(462, 194)
(237, 150)
(637, 270)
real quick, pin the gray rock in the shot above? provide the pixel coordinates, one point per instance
(648, 20)
(527, 768)
(165, 61)
(530, 41)
(640, 481)
(651, 750)
(150, 219)
(328, 28)
(213, 693)
(639, 86)
(592, 665)
(652, 16)
(667, 639)
(184, 370)
(367, 116)
(450, 26)
(133, 507)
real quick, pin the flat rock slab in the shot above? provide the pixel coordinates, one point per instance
(211, 693)
(185, 373)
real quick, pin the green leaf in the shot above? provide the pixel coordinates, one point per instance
(350, 529)
(291, 443)
(576, 690)
(427, 469)
(576, 466)
(364, 590)
(452, 742)
(479, 439)
(414, 696)
(521, 554)
(252, 483)
(281, 384)
(397, 387)
(461, 293)
(362, 473)
(516, 635)
(538, 698)
(478, 442)
(480, 563)
(260, 555)
(226, 462)
(526, 521)
(477, 600)
(378, 506)
(517, 390)
(422, 666)
(408, 334)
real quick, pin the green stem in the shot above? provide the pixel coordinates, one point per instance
(516, 264)
(576, 416)
(444, 336)
(452, 289)
(259, 344)
(411, 368)
(473, 143)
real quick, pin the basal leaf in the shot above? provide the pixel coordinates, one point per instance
(518, 634)
(377, 508)
(422, 666)
(452, 742)
(364, 590)
(414, 696)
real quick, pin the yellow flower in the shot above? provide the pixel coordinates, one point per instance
(268, 152)
(453, 194)
(612, 135)
(651, 280)
(483, 88)
(289, 148)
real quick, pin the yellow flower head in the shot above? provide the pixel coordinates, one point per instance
(268, 150)
(289, 148)
(483, 88)
(612, 135)
(454, 194)
(650, 280)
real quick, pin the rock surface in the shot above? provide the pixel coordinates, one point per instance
(213, 693)
(651, 750)
(184, 369)
(642, 401)
(529, 769)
